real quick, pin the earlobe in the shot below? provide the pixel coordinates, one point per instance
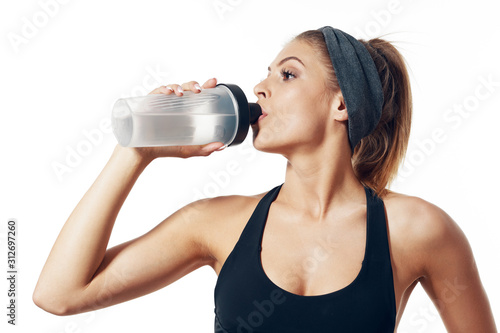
(340, 115)
(339, 110)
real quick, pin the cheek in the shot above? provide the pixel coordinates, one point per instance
(307, 114)
(297, 119)
(296, 124)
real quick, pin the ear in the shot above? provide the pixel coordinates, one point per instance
(338, 108)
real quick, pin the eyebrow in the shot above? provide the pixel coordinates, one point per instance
(286, 59)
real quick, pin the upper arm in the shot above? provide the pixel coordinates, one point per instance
(174, 248)
(449, 273)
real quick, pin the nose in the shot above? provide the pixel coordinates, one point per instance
(261, 90)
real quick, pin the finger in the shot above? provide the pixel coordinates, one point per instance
(157, 90)
(177, 89)
(213, 146)
(196, 150)
(167, 90)
(162, 90)
(211, 83)
(192, 86)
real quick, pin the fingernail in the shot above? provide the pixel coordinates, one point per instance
(179, 89)
(222, 148)
(197, 87)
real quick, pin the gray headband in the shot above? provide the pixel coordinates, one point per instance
(358, 80)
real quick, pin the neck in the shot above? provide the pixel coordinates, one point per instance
(320, 180)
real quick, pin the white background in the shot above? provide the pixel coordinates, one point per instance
(62, 67)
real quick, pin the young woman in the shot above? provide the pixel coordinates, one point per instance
(329, 250)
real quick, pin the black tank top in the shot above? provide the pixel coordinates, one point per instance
(246, 300)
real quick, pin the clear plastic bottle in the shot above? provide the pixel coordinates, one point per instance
(218, 114)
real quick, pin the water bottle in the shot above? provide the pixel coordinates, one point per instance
(220, 114)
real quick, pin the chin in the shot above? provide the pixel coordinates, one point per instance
(262, 145)
(268, 144)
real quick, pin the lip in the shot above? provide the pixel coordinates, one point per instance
(263, 115)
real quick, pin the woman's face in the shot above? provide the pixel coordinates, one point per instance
(295, 98)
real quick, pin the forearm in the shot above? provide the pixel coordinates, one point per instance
(82, 242)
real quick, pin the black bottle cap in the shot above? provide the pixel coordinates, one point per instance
(255, 112)
(248, 113)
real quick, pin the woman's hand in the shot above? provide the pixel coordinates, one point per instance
(150, 153)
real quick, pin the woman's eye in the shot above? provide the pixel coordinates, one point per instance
(287, 75)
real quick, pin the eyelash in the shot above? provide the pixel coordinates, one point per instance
(286, 74)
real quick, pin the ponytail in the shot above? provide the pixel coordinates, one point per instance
(376, 159)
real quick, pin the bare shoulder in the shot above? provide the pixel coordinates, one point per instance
(428, 245)
(418, 216)
(222, 208)
(219, 222)
(420, 228)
